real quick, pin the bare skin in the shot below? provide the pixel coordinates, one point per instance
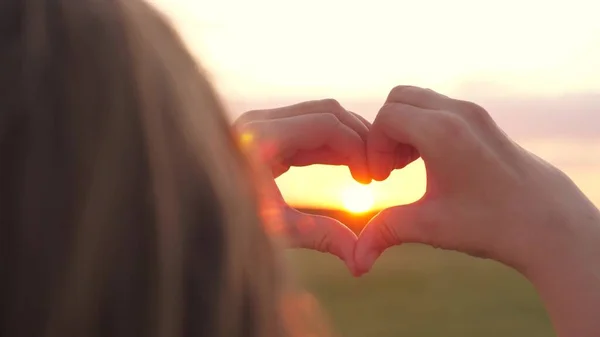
(313, 132)
(487, 197)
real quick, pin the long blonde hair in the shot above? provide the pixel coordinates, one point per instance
(126, 206)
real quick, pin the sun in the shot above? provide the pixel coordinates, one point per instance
(358, 198)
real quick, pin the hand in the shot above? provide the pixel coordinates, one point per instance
(488, 197)
(485, 195)
(315, 132)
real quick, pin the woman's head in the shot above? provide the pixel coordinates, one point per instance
(125, 205)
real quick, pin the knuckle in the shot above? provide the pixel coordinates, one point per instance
(384, 112)
(330, 120)
(387, 112)
(405, 93)
(401, 92)
(473, 112)
(449, 126)
(331, 105)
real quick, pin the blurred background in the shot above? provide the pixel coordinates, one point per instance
(534, 65)
(414, 290)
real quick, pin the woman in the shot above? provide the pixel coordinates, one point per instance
(127, 208)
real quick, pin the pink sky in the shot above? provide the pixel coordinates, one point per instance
(565, 130)
(535, 65)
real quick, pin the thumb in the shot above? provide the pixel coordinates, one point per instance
(322, 234)
(391, 227)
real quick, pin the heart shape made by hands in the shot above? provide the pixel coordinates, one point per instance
(315, 132)
(478, 179)
(324, 230)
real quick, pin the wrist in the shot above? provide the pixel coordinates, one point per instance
(571, 242)
(567, 274)
(568, 281)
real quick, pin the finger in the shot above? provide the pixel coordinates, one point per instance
(302, 230)
(307, 108)
(429, 99)
(363, 120)
(405, 154)
(284, 137)
(322, 234)
(391, 227)
(419, 97)
(397, 127)
(323, 156)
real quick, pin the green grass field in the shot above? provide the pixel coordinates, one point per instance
(418, 291)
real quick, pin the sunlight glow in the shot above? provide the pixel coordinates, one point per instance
(246, 138)
(358, 198)
(264, 55)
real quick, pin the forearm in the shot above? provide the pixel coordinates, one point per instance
(569, 282)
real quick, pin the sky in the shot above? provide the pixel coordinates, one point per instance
(534, 65)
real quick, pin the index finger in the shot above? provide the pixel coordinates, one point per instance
(283, 138)
(397, 125)
(419, 97)
(322, 234)
(352, 120)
